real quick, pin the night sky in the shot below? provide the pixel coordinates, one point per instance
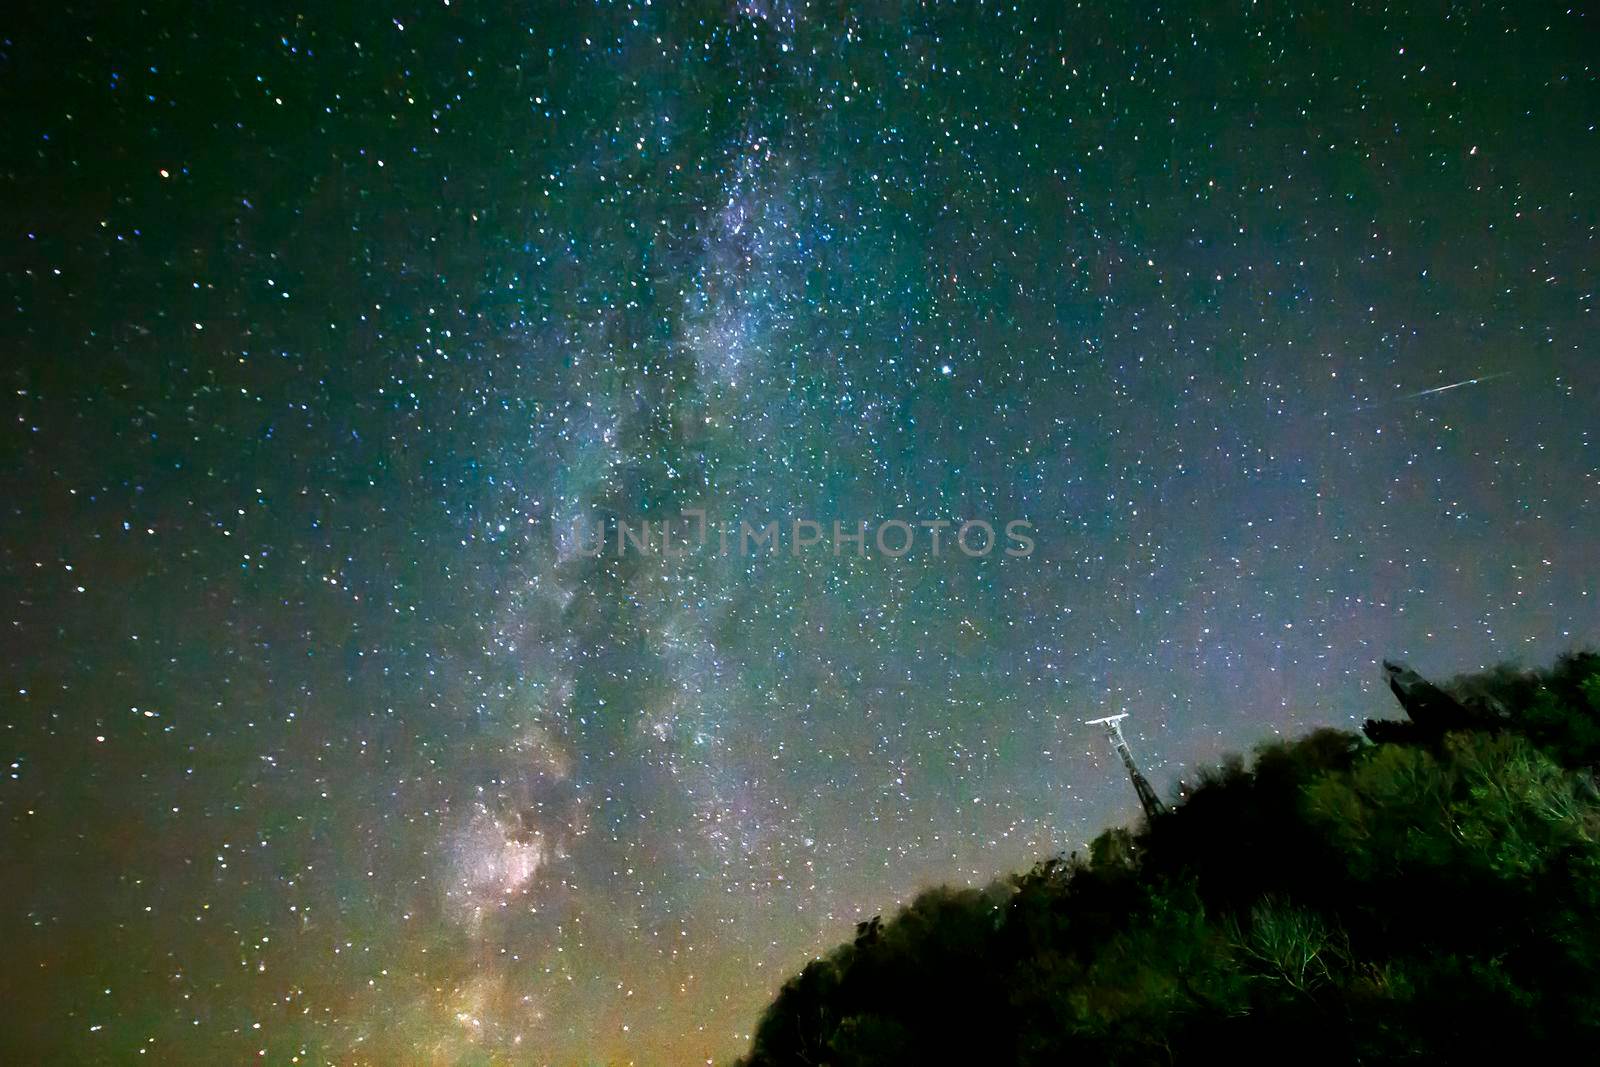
(329, 740)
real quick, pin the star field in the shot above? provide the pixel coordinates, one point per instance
(330, 333)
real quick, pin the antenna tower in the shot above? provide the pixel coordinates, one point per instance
(1119, 744)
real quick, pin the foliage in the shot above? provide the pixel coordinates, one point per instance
(1434, 897)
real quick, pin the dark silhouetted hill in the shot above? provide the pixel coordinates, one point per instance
(1429, 893)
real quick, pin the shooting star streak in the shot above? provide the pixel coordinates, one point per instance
(1429, 392)
(1456, 385)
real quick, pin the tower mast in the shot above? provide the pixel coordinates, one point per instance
(1119, 744)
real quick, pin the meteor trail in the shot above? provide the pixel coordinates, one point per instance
(1455, 385)
(1429, 392)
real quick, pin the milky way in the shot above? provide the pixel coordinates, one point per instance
(363, 365)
